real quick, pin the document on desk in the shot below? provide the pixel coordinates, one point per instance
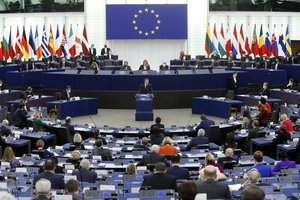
(234, 187)
(82, 129)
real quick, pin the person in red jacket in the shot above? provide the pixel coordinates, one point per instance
(263, 101)
(263, 116)
(285, 121)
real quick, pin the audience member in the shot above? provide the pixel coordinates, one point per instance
(167, 147)
(291, 84)
(126, 67)
(131, 169)
(39, 124)
(210, 160)
(73, 188)
(265, 91)
(187, 190)
(58, 169)
(285, 121)
(263, 101)
(4, 129)
(66, 94)
(143, 145)
(6, 196)
(77, 143)
(230, 141)
(200, 139)
(9, 156)
(159, 179)
(253, 192)
(158, 124)
(247, 120)
(2, 86)
(43, 189)
(100, 151)
(29, 92)
(156, 137)
(20, 116)
(253, 133)
(97, 136)
(74, 158)
(211, 186)
(264, 170)
(284, 163)
(105, 51)
(145, 66)
(84, 174)
(229, 153)
(176, 171)
(253, 178)
(69, 126)
(164, 66)
(263, 116)
(40, 146)
(282, 136)
(57, 181)
(153, 157)
(204, 124)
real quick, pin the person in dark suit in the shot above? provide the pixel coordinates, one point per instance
(126, 67)
(69, 126)
(83, 174)
(29, 92)
(43, 189)
(16, 59)
(63, 63)
(67, 93)
(230, 56)
(287, 59)
(105, 51)
(244, 56)
(204, 124)
(73, 188)
(153, 157)
(146, 87)
(156, 136)
(232, 83)
(93, 51)
(160, 180)
(276, 64)
(97, 136)
(291, 84)
(143, 145)
(58, 169)
(213, 188)
(253, 192)
(30, 64)
(176, 171)
(158, 124)
(4, 130)
(253, 133)
(164, 66)
(200, 139)
(265, 91)
(20, 116)
(282, 136)
(57, 181)
(145, 66)
(228, 157)
(2, 86)
(45, 153)
(100, 151)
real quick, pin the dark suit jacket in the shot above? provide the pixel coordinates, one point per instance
(265, 92)
(152, 158)
(145, 90)
(222, 159)
(71, 129)
(160, 181)
(64, 95)
(19, 118)
(58, 169)
(160, 126)
(141, 147)
(103, 152)
(197, 141)
(142, 68)
(205, 124)
(57, 181)
(84, 175)
(93, 52)
(292, 87)
(126, 68)
(281, 138)
(214, 189)
(178, 172)
(164, 68)
(5, 131)
(2, 87)
(103, 51)
(41, 197)
(231, 84)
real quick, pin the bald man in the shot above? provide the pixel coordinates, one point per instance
(213, 188)
(229, 153)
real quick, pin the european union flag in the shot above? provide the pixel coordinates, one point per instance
(146, 21)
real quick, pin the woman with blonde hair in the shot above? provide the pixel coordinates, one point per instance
(9, 156)
(167, 147)
(40, 126)
(131, 169)
(285, 121)
(74, 158)
(210, 160)
(77, 143)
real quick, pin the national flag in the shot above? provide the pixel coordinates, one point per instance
(228, 40)
(208, 42)
(261, 44)
(5, 48)
(241, 40)
(51, 44)
(64, 42)
(45, 48)
(24, 43)
(1, 54)
(282, 49)
(215, 40)
(287, 42)
(31, 43)
(248, 42)
(78, 41)
(221, 44)
(38, 47)
(235, 43)
(58, 42)
(274, 46)
(18, 47)
(12, 53)
(268, 49)
(71, 40)
(85, 43)
(254, 47)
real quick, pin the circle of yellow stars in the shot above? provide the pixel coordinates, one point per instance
(147, 32)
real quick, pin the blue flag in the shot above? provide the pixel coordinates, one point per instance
(146, 21)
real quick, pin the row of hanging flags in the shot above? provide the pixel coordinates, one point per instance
(225, 40)
(44, 45)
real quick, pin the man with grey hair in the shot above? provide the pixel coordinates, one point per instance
(4, 130)
(6, 196)
(83, 174)
(43, 189)
(229, 153)
(200, 139)
(153, 157)
(213, 188)
(160, 180)
(254, 178)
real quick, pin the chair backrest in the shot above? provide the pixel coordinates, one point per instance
(63, 136)
(261, 134)
(230, 94)
(202, 146)
(229, 164)
(214, 135)
(274, 116)
(38, 152)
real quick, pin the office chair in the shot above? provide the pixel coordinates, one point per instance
(39, 152)
(261, 134)
(202, 146)
(58, 96)
(214, 135)
(229, 164)
(274, 116)
(63, 136)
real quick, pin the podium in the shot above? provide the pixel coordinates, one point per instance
(144, 107)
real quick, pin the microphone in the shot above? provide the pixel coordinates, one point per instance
(92, 121)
